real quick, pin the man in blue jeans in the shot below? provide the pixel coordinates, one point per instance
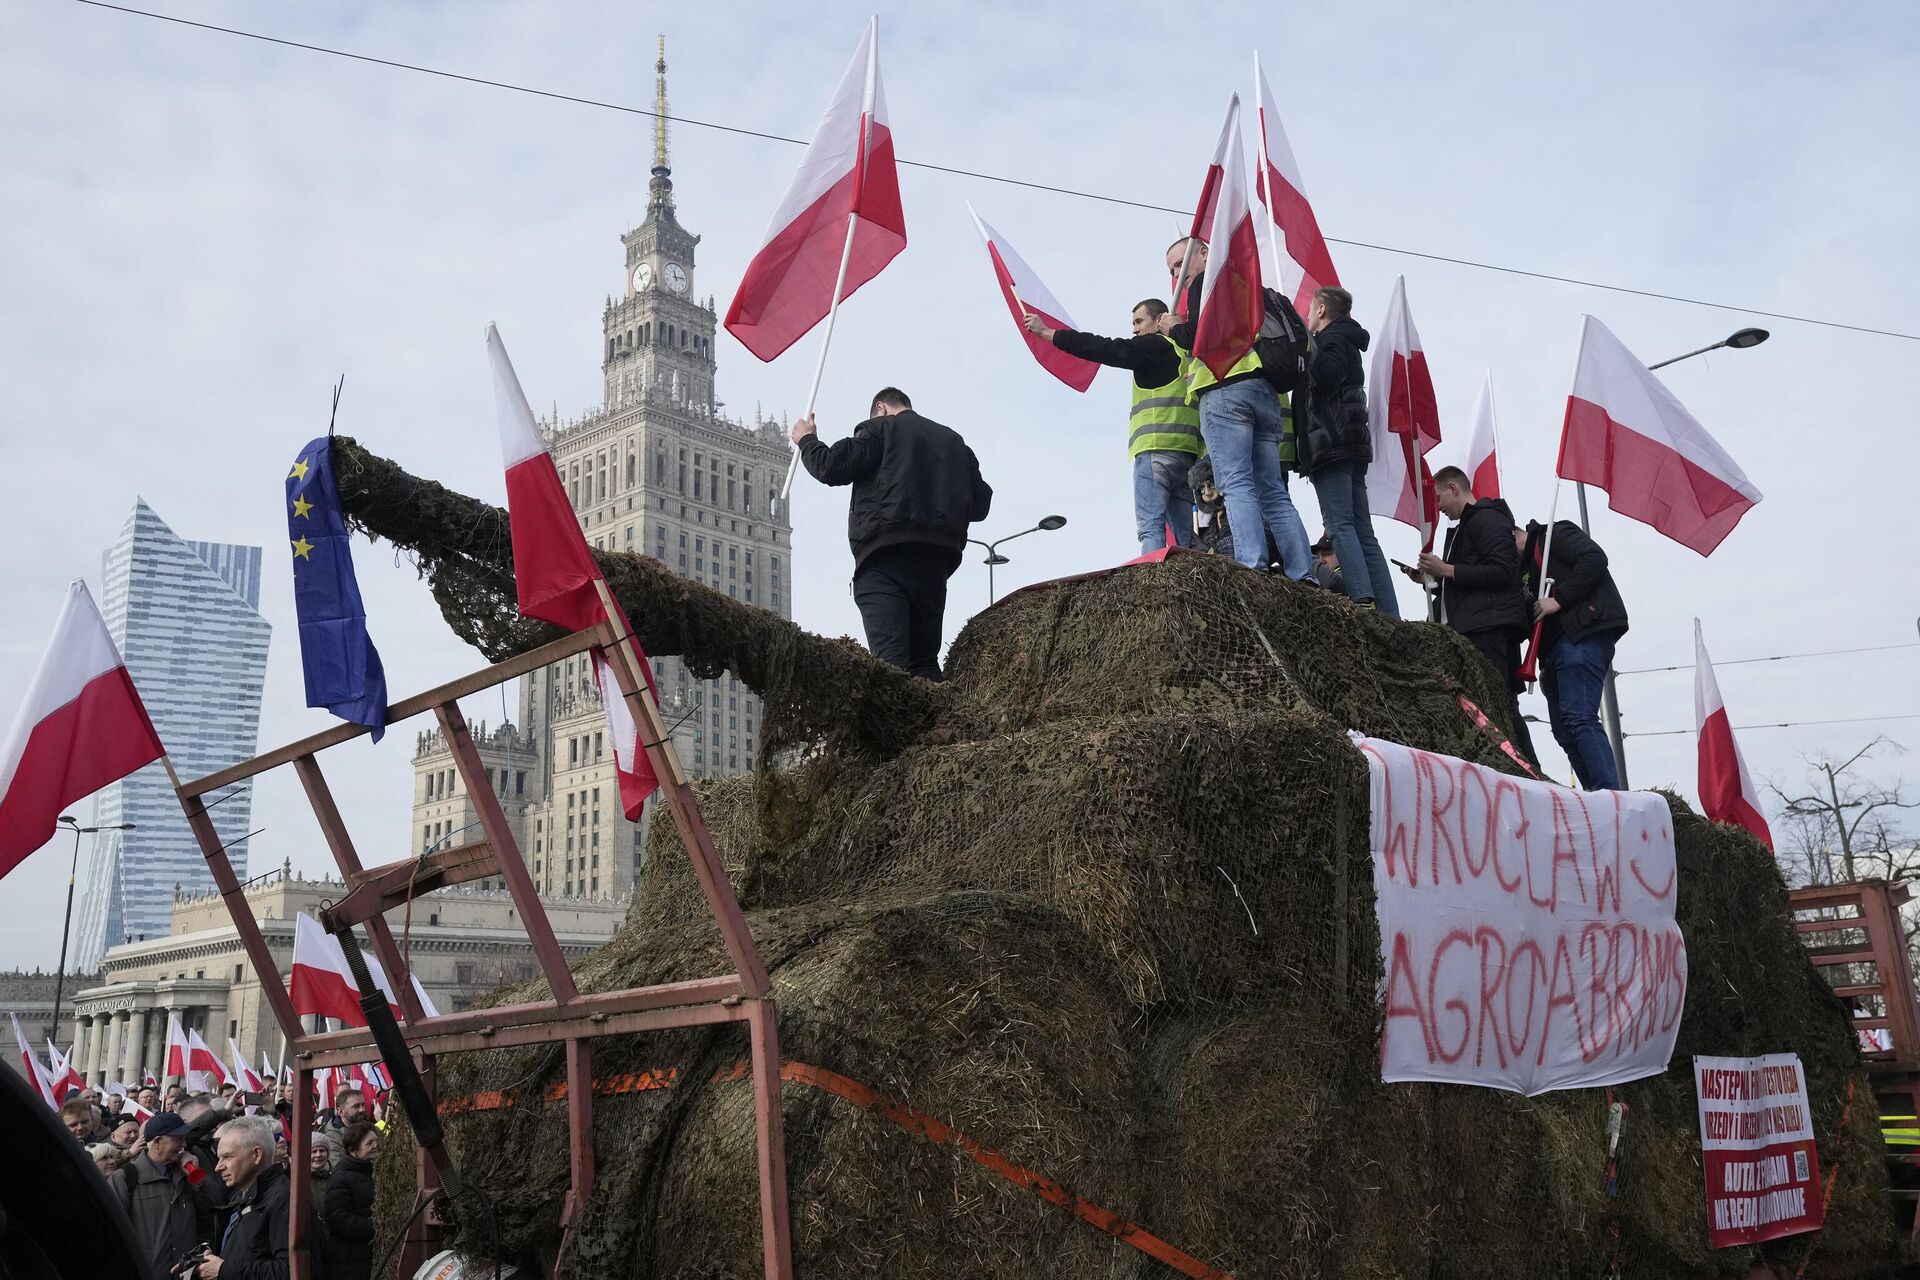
(1584, 617)
(1334, 447)
(1243, 420)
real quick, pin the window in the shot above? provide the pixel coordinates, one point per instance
(239, 972)
(598, 745)
(463, 974)
(573, 755)
(631, 463)
(520, 782)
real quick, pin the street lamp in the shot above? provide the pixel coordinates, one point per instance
(60, 978)
(993, 556)
(1738, 340)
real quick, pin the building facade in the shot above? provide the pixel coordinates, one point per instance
(28, 998)
(461, 943)
(658, 469)
(186, 616)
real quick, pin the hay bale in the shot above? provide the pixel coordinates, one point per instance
(1102, 903)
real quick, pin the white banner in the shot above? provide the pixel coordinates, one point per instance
(1526, 930)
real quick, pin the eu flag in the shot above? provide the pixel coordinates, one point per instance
(342, 667)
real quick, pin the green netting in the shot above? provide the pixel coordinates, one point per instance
(1102, 905)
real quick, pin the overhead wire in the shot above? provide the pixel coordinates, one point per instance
(1777, 657)
(1783, 724)
(741, 131)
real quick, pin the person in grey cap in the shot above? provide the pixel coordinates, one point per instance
(169, 1218)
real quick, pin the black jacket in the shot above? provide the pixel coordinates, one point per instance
(1182, 333)
(349, 1220)
(1590, 605)
(1484, 593)
(1337, 410)
(913, 481)
(255, 1246)
(1148, 356)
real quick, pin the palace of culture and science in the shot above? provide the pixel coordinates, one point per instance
(656, 470)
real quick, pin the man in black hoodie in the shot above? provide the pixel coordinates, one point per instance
(1335, 448)
(1480, 592)
(1584, 617)
(916, 489)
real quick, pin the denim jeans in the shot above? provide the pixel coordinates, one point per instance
(1241, 425)
(1342, 487)
(1572, 676)
(1161, 498)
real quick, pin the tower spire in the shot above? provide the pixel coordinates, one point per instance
(660, 111)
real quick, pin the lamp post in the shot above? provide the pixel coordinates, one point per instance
(60, 978)
(994, 558)
(1738, 340)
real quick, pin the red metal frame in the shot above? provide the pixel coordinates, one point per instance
(746, 995)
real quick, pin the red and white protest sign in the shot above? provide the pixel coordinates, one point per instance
(1756, 1134)
(1526, 929)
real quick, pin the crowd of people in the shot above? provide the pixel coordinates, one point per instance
(1212, 457)
(206, 1182)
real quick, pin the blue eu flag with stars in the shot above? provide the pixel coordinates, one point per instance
(342, 667)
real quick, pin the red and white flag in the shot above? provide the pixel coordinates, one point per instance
(555, 575)
(204, 1068)
(1726, 792)
(1232, 304)
(267, 1074)
(1305, 264)
(147, 1080)
(320, 982)
(30, 1068)
(1626, 433)
(242, 1075)
(1025, 295)
(844, 201)
(61, 1076)
(81, 727)
(1483, 446)
(1404, 419)
(138, 1112)
(176, 1066)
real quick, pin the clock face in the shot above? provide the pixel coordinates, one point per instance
(643, 275)
(676, 278)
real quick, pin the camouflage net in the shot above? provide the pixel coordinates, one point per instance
(1101, 906)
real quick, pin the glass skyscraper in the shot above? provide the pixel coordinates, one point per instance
(186, 616)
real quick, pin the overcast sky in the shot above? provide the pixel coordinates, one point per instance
(203, 232)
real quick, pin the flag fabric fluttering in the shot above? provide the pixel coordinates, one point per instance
(1403, 417)
(843, 203)
(1232, 303)
(203, 1064)
(1305, 264)
(61, 1075)
(556, 578)
(1626, 433)
(1727, 793)
(1483, 446)
(176, 1062)
(320, 982)
(342, 668)
(81, 726)
(267, 1074)
(1025, 293)
(242, 1075)
(30, 1068)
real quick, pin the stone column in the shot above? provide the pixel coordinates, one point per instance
(110, 1046)
(81, 1024)
(156, 1054)
(136, 1043)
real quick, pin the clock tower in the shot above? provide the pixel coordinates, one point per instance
(658, 334)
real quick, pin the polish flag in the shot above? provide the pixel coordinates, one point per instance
(267, 1074)
(1483, 446)
(1205, 207)
(147, 1080)
(138, 1112)
(321, 983)
(1626, 433)
(203, 1063)
(1025, 295)
(323, 1081)
(1404, 419)
(555, 575)
(843, 203)
(36, 1075)
(61, 1076)
(1305, 264)
(1232, 303)
(1726, 792)
(242, 1075)
(176, 1068)
(81, 727)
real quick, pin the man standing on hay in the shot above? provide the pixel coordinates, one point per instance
(916, 489)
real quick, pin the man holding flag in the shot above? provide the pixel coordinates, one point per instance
(1582, 619)
(1163, 429)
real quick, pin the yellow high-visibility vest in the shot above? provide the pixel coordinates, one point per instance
(1164, 417)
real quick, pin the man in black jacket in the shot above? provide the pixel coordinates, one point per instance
(254, 1243)
(1335, 448)
(916, 489)
(1163, 430)
(1480, 592)
(1584, 617)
